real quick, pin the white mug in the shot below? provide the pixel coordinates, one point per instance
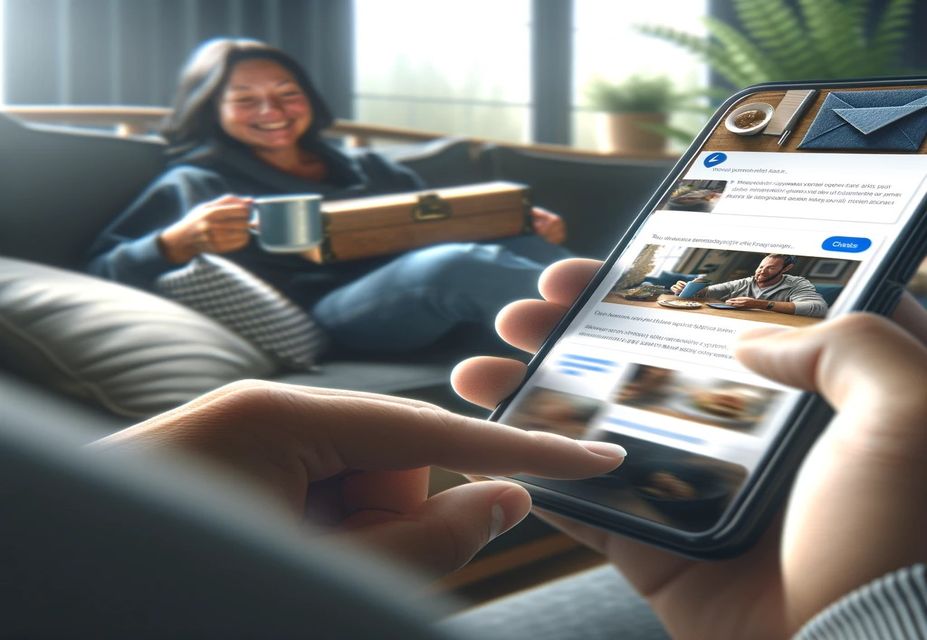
(290, 223)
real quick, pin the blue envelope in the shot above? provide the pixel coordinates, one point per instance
(891, 120)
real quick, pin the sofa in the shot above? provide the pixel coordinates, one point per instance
(121, 354)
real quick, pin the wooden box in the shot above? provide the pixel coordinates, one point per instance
(383, 225)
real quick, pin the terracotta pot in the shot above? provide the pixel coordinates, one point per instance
(623, 134)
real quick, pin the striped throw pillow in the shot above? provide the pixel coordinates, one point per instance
(242, 302)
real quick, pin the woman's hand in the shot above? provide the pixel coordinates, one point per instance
(548, 225)
(857, 509)
(217, 226)
(358, 463)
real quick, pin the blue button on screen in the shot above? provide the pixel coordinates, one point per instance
(846, 244)
(714, 159)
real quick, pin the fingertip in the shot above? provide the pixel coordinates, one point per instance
(613, 453)
(747, 337)
(785, 355)
(562, 281)
(511, 506)
(486, 380)
(753, 346)
(473, 514)
(910, 314)
(461, 372)
(499, 323)
(525, 324)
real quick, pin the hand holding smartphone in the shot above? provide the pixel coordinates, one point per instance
(829, 223)
(856, 509)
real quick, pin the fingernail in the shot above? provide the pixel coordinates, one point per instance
(509, 508)
(609, 450)
(496, 521)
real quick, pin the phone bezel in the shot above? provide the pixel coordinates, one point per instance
(747, 516)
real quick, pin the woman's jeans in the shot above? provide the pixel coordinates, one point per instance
(421, 295)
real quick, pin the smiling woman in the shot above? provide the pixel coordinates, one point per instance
(264, 107)
(246, 123)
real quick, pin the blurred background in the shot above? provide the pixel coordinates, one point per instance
(522, 71)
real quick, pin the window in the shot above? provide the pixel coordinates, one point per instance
(464, 68)
(669, 257)
(459, 68)
(607, 46)
(2, 49)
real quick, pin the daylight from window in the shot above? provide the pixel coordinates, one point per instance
(453, 70)
(607, 46)
(2, 47)
(450, 69)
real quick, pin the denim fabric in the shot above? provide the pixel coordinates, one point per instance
(871, 120)
(421, 295)
(598, 604)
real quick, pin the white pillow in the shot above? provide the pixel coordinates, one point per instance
(250, 307)
(134, 353)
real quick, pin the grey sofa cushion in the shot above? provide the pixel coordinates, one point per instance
(61, 187)
(134, 353)
(248, 306)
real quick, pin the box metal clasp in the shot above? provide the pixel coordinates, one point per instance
(431, 207)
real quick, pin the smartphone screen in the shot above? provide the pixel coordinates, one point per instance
(786, 215)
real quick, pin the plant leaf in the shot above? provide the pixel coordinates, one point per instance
(823, 39)
(776, 29)
(836, 39)
(889, 36)
(753, 65)
(710, 52)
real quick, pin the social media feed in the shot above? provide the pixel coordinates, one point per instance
(779, 220)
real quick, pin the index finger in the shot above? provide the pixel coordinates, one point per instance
(337, 432)
(230, 212)
(231, 198)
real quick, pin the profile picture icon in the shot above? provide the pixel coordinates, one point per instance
(714, 159)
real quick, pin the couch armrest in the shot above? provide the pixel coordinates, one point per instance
(597, 197)
(443, 163)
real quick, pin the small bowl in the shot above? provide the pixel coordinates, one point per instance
(765, 109)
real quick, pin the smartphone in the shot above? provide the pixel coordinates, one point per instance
(819, 216)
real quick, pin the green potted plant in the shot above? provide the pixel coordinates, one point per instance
(804, 40)
(636, 111)
(819, 40)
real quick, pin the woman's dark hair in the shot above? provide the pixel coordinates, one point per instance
(194, 120)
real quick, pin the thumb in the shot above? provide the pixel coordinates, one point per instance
(859, 357)
(449, 528)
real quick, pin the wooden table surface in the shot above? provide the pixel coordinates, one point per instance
(754, 315)
(723, 140)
